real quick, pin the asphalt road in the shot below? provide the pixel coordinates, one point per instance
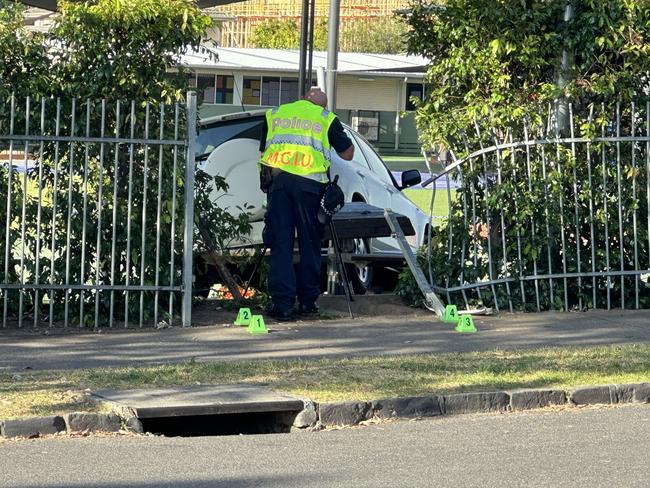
(602, 447)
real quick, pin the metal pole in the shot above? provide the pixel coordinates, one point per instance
(332, 53)
(310, 54)
(564, 76)
(8, 242)
(320, 78)
(189, 210)
(304, 39)
(161, 135)
(174, 206)
(341, 265)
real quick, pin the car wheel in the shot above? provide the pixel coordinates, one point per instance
(360, 275)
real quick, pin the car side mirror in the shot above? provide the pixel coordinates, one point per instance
(411, 177)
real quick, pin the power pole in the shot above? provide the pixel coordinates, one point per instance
(305, 72)
(332, 53)
(304, 41)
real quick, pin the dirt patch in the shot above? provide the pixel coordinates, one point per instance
(224, 312)
(217, 312)
(220, 312)
(385, 304)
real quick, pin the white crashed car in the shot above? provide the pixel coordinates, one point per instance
(228, 145)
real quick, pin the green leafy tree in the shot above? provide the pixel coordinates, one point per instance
(384, 35)
(320, 34)
(23, 64)
(502, 58)
(100, 54)
(285, 34)
(276, 34)
(125, 49)
(381, 35)
(498, 58)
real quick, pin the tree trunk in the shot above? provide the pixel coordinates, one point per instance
(218, 260)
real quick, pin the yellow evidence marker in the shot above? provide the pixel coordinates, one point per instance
(243, 317)
(451, 315)
(257, 325)
(466, 325)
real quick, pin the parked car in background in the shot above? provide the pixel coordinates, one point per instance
(228, 145)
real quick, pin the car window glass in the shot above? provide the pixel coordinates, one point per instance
(376, 164)
(214, 135)
(358, 157)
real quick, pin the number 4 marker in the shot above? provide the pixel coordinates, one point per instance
(451, 315)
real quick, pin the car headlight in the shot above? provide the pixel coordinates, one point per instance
(412, 240)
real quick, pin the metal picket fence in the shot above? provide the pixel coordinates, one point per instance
(97, 212)
(542, 218)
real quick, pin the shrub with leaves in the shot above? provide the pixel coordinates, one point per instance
(501, 60)
(125, 49)
(504, 72)
(112, 213)
(24, 68)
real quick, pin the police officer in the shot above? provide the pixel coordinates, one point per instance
(296, 145)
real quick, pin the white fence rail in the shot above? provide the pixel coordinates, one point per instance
(542, 219)
(97, 212)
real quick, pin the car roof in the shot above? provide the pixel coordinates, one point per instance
(245, 114)
(232, 116)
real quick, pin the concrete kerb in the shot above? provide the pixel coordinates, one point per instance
(335, 414)
(70, 423)
(32, 427)
(118, 419)
(352, 413)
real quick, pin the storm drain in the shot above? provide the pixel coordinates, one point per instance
(228, 424)
(207, 409)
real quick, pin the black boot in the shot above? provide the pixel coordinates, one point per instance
(278, 313)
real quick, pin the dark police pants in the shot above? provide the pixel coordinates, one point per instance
(293, 209)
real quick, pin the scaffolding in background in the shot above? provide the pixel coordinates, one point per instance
(247, 15)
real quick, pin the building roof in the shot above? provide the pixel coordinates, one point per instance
(240, 59)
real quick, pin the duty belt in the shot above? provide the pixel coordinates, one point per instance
(319, 177)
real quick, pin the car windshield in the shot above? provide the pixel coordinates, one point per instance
(213, 135)
(358, 157)
(376, 163)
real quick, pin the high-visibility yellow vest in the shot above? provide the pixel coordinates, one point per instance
(297, 140)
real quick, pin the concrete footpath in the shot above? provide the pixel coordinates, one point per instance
(404, 331)
(383, 327)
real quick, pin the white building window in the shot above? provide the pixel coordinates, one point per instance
(205, 86)
(225, 85)
(270, 91)
(289, 90)
(252, 90)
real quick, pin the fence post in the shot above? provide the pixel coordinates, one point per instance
(188, 240)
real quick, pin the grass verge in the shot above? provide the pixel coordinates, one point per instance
(55, 392)
(422, 198)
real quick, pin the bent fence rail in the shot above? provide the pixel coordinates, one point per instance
(97, 211)
(544, 219)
